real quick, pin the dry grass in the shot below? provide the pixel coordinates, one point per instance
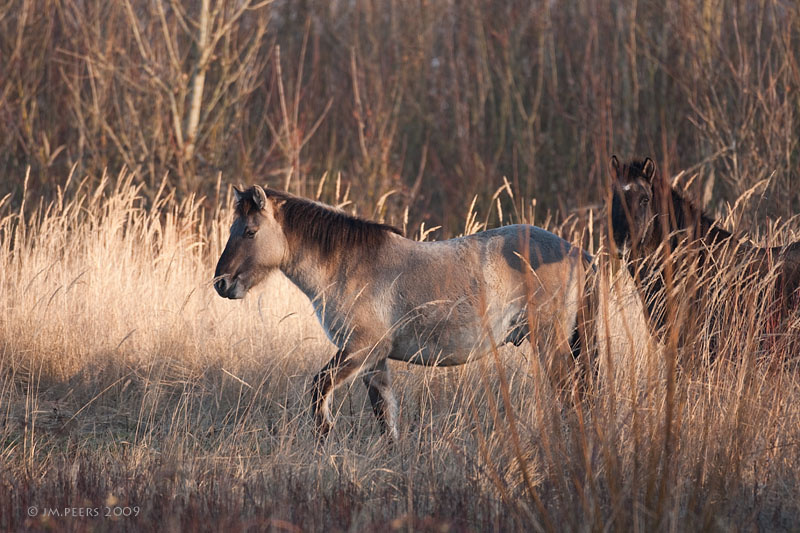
(125, 381)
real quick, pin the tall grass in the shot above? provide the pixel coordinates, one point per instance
(126, 382)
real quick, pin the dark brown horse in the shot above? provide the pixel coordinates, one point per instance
(650, 221)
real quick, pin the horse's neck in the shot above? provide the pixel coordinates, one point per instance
(688, 217)
(317, 275)
(309, 271)
(712, 233)
(695, 241)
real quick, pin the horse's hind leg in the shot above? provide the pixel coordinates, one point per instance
(379, 385)
(338, 370)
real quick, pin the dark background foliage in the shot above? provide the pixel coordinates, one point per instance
(437, 100)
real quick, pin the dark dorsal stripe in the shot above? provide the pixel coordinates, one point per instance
(312, 223)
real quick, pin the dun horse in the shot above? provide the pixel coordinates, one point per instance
(646, 213)
(381, 296)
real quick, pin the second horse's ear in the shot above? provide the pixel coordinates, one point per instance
(614, 165)
(259, 196)
(649, 169)
(237, 194)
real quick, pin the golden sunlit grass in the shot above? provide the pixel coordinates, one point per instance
(125, 381)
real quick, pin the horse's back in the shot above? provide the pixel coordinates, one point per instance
(456, 297)
(536, 246)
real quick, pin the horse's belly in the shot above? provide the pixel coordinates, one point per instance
(447, 342)
(430, 353)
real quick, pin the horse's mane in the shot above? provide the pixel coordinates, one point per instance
(327, 228)
(688, 215)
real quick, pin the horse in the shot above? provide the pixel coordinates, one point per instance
(380, 296)
(647, 213)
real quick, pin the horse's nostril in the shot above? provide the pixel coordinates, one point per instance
(220, 285)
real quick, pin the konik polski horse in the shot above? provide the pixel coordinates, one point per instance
(379, 295)
(649, 217)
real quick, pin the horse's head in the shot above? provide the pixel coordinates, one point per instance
(632, 206)
(256, 244)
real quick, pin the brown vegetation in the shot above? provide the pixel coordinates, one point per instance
(435, 100)
(126, 382)
(125, 379)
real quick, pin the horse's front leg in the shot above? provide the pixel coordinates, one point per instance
(379, 385)
(338, 370)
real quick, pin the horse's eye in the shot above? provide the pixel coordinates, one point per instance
(644, 200)
(249, 233)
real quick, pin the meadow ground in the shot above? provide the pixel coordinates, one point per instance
(128, 387)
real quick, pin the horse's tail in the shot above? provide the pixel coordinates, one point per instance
(583, 342)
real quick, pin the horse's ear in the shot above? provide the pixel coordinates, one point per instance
(259, 196)
(649, 169)
(237, 194)
(614, 165)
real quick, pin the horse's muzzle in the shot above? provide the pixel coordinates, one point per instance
(229, 288)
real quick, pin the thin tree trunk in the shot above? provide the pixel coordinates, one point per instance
(198, 81)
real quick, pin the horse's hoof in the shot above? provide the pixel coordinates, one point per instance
(322, 428)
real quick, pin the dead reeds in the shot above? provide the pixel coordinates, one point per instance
(126, 382)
